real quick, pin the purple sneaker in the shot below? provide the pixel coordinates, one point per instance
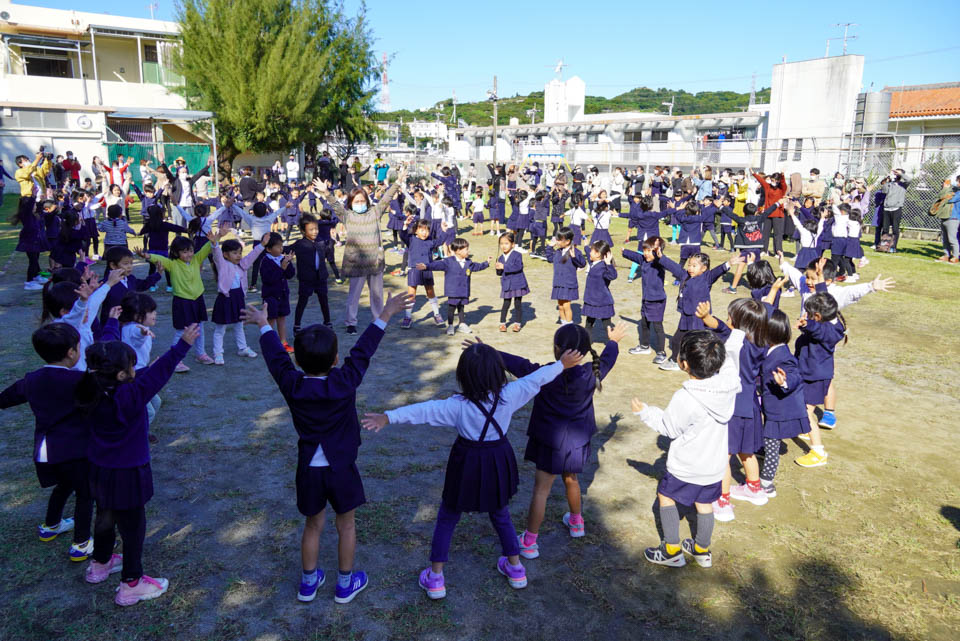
(434, 587)
(438, 319)
(517, 577)
(406, 322)
(308, 592)
(358, 582)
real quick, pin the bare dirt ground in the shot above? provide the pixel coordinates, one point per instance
(864, 548)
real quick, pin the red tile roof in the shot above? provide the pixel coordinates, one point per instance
(932, 100)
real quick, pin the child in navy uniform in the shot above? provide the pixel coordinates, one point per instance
(760, 280)
(513, 283)
(481, 472)
(456, 283)
(158, 231)
(782, 389)
(420, 251)
(726, 222)
(232, 284)
(566, 261)
(648, 226)
(654, 297)
(115, 396)
(61, 434)
(122, 258)
(477, 208)
(822, 327)
(597, 299)
(312, 275)
(696, 422)
(323, 404)
(691, 221)
(696, 278)
(275, 270)
(561, 426)
(744, 339)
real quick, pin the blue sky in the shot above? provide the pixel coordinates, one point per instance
(440, 47)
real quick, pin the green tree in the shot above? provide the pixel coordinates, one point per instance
(277, 73)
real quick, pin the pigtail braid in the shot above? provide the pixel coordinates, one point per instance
(596, 369)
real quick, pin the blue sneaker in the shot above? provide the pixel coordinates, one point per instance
(309, 592)
(828, 421)
(358, 581)
(49, 533)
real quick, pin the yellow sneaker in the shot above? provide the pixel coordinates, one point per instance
(812, 459)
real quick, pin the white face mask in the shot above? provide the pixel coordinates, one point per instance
(359, 208)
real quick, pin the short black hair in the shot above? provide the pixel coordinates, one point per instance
(116, 254)
(53, 341)
(179, 244)
(750, 317)
(315, 349)
(307, 219)
(703, 353)
(423, 223)
(230, 245)
(114, 212)
(56, 297)
(480, 373)
(749, 209)
(565, 233)
(458, 243)
(275, 239)
(829, 270)
(824, 304)
(135, 306)
(778, 328)
(760, 274)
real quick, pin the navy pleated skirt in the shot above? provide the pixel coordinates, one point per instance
(805, 256)
(597, 311)
(786, 429)
(563, 460)
(481, 476)
(186, 312)
(745, 434)
(123, 488)
(565, 293)
(601, 234)
(226, 309)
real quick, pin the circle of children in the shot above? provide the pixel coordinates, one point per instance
(745, 390)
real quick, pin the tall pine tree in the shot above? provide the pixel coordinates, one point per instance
(277, 73)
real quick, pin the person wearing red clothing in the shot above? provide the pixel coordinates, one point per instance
(72, 165)
(774, 189)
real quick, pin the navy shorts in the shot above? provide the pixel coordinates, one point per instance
(688, 493)
(814, 392)
(316, 486)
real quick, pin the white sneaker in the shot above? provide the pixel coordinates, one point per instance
(744, 493)
(32, 286)
(522, 250)
(40, 279)
(864, 262)
(218, 359)
(723, 512)
(853, 279)
(247, 352)
(463, 328)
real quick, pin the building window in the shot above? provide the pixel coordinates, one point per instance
(633, 136)
(784, 149)
(659, 135)
(50, 67)
(798, 149)
(37, 119)
(150, 53)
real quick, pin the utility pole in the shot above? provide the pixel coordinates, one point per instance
(153, 6)
(454, 120)
(492, 95)
(846, 27)
(669, 105)
(753, 89)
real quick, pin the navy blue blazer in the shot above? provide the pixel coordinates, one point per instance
(49, 391)
(118, 291)
(565, 271)
(563, 415)
(420, 251)
(691, 227)
(651, 276)
(695, 290)
(311, 266)
(511, 276)
(781, 404)
(456, 282)
(814, 349)
(324, 410)
(751, 361)
(596, 289)
(275, 279)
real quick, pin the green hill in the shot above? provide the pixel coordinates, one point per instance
(639, 99)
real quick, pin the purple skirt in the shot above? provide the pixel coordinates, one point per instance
(653, 310)
(278, 306)
(786, 429)
(597, 311)
(601, 234)
(565, 293)
(745, 434)
(557, 461)
(123, 488)
(457, 301)
(805, 256)
(577, 235)
(226, 309)
(341, 487)
(481, 476)
(417, 278)
(515, 293)
(688, 493)
(814, 392)
(395, 223)
(854, 248)
(186, 312)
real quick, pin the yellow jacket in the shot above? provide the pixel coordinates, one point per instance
(24, 176)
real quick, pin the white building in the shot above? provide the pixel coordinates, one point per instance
(71, 80)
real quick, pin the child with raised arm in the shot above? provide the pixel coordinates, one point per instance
(696, 422)
(481, 472)
(232, 267)
(653, 297)
(323, 404)
(456, 283)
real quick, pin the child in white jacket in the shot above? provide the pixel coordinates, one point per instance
(696, 422)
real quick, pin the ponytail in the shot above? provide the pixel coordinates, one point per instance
(595, 365)
(843, 322)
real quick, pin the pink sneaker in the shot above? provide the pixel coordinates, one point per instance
(146, 588)
(517, 577)
(181, 367)
(576, 529)
(434, 587)
(743, 492)
(722, 510)
(205, 359)
(98, 572)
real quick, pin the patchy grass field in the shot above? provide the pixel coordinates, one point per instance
(867, 547)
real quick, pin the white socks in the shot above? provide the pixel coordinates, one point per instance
(435, 304)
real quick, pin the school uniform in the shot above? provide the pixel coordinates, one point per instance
(838, 246)
(653, 294)
(559, 203)
(60, 440)
(691, 233)
(538, 222)
(563, 420)
(275, 290)
(456, 282)
(520, 215)
(709, 214)
(32, 237)
(760, 293)
(566, 262)
(64, 252)
(825, 239)
(854, 249)
(158, 242)
(481, 474)
(808, 242)
(324, 413)
(783, 407)
(601, 229)
(577, 218)
(420, 251)
(231, 288)
(597, 299)
(477, 208)
(745, 428)
(693, 291)
(397, 217)
(726, 222)
(513, 282)
(814, 350)
(126, 285)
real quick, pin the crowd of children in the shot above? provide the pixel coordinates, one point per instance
(746, 391)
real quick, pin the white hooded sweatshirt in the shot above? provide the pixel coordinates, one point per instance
(696, 420)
